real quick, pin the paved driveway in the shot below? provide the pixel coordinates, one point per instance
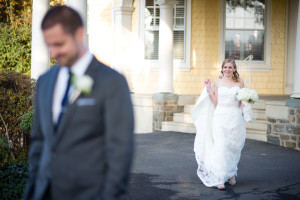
(165, 168)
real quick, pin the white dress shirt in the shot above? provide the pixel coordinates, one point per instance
(78, 69)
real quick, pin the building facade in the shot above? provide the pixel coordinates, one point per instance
(167, 48)
(205, 33)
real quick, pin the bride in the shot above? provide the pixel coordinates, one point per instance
(220, 128)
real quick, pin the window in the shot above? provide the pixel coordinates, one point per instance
(181, 31)
(245, 32)
(151, 30)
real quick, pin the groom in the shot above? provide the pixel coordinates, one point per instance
(82, 138)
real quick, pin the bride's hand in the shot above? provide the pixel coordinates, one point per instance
(208, 86)
(207, 82)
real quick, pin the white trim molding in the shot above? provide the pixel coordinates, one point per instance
(258, 66)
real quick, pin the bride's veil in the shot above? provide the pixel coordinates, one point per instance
(202, 115)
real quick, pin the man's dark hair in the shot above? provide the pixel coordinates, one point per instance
(64, 15)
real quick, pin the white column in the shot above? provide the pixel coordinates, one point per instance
(122, 30)
(40, 61)
(81, 7)
(296, 90)
(165, 81)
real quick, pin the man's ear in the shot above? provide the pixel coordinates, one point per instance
(80, 33)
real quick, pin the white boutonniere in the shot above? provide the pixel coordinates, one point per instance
(82, 85)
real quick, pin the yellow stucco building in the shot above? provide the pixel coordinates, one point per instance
(205, 34)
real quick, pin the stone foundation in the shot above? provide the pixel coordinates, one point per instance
(285, 131)
(164, 106)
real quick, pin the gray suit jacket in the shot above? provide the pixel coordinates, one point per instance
(90, 154)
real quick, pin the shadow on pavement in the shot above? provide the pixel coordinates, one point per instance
(141, 187)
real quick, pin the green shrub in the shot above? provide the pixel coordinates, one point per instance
(9, 8)
(15, 101)
(15, 47)
(26, 121)
(15, 40)
(16, 32)
(13, 181)
(4, 152)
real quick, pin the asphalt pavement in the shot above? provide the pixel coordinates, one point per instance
(164, 168)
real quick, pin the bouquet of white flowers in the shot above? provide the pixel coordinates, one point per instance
(248, 97)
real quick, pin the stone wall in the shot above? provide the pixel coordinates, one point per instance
(285, 132)
(164, 106)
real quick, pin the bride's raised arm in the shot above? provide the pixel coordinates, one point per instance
(213, 94)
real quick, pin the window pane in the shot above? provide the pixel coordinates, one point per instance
(179, 22)
(151, 45)
(239, 44)
(230, 22)
(150, 11)
(157, 12)
(179, 12)
(180, 2)
(239, 23)
(244, 31)
(249, 23)
(149, 3)
(239, 12)
(249, 12)
(157, 22)
(178, 45)
(149, 19)
(250, 9)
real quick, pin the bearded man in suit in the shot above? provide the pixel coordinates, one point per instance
(82, 138)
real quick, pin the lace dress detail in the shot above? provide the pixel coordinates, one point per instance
(220, 138)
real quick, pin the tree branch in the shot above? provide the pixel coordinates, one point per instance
(7, 136)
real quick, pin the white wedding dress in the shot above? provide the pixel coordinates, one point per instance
(220, 136)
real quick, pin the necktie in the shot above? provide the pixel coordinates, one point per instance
(64, 102)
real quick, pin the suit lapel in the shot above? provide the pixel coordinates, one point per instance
(90, 70)
(71, 108)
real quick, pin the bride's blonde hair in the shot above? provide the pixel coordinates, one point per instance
(236, 75)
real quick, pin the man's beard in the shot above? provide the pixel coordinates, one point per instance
(70, 60)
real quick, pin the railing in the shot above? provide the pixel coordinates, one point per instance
(246, 64)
